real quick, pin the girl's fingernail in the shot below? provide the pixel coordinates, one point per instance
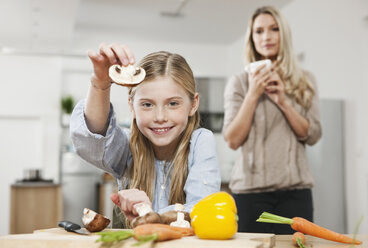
(125, 61)
(132, 61)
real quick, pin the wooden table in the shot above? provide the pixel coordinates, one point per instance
(58, 237)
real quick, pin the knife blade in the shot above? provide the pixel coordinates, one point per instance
(72, 227)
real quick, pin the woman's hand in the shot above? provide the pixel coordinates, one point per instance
(275, 89)
(258, 80)
(106, 56)
(127, 199)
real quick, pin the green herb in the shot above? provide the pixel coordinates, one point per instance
(146, 238)
(357, 229)
(109, 237)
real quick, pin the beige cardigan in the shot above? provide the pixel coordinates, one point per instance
(272, 156)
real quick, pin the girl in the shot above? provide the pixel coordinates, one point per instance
(271, 114)
(165, 158)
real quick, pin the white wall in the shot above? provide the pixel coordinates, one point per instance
(29, 114)
(333, 36)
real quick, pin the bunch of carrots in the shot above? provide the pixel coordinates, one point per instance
(306, 227)
(145, 233)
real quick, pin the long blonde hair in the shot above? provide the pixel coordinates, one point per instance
(142, 172)
(296, 82)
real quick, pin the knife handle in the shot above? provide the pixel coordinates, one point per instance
(69, 226)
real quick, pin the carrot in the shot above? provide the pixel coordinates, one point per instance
(147, 232)
(302, 225)
(185, 231)
(163, 232)
(299, 239)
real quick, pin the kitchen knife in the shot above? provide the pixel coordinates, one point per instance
(72, 227)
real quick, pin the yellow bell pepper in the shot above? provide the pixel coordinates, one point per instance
(215, 217)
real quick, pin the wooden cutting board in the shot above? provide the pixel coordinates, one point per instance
(58, 237)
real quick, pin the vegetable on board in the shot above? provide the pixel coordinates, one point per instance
(214, 217)
(299, 239)
(146, 233)
(302, 225)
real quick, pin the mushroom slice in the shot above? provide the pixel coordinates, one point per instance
(93, 221)
(126, 75)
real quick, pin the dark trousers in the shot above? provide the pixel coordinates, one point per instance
(286, 203)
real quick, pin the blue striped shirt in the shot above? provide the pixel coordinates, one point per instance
(111, 153)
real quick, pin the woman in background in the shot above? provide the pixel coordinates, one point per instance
(271, 114)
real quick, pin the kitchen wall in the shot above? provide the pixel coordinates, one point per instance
(29, 115)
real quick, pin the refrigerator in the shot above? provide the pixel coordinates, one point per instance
(326, 159)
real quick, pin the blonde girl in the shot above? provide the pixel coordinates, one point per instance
(165, 158)
(271, 114)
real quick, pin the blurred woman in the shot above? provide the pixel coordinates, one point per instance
(271, 114)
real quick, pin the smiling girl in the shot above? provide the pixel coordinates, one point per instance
(165, 158)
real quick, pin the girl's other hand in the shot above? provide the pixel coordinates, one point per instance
(106, 56)
(127, 199)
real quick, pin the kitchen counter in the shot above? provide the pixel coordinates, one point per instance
(44, 202)
(284, 241)
(58, 237)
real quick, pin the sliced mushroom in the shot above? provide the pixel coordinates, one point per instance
(93, 221)
(126, 75)
(180, 221)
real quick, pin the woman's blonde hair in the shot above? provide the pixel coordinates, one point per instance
(296, 82)
(142, 172)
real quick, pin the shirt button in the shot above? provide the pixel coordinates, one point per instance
(204, 182)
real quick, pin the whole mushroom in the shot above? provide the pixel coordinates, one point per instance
(146, 215)
(172, 216)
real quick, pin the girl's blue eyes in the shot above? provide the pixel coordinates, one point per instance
(148, 105)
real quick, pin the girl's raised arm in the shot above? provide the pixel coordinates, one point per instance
(98, 98)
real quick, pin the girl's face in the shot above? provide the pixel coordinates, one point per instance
(161, 108)
(266, 36)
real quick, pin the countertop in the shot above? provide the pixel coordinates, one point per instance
(58, 237)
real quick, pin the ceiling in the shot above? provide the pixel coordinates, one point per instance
(54, 25)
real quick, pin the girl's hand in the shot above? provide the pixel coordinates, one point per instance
(106, 56)
(275, 89)
(258, 80)
(127, 199)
